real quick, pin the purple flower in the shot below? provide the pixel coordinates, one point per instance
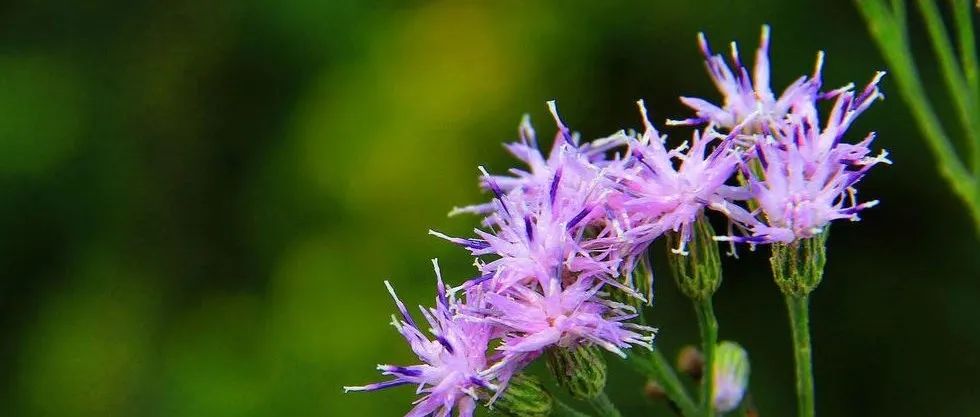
(454, 364)
(805, 176)
(744, 95)
(531, 241)
(571, 161)
(663, 190)
(557, 316)
(550, 221)
(548, 251)
(543, 287)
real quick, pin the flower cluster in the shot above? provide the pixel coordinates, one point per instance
(559, 240)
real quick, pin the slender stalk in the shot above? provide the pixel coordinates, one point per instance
(799, 318)
(898, 8)
(959, 92)
(709, 340)
(888, 29)
(657, 368)
(963, 15)
(604, 406)
(959, 89)
(567, 410)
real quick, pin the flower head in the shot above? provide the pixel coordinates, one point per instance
(551, 221)
(570, 160)
(551, 259)
(746, 95)
(663, 190)
(548, 251)
(531, 240)
(454, 364)
(804, 176)
(565, 316)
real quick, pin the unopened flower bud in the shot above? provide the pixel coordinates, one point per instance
(697, 265)
(691, 362)
(581, 370)
(639, 290)
(797, 267)
(731, 375)
(524, 396)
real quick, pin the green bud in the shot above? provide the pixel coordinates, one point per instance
(798, 267)
(525, 396)
(581, 370)
(730, 376)
(698, 272)
(641, 280)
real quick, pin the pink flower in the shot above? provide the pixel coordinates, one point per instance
(745, 96)
(661, 190)
(807, 174)
(454, 364)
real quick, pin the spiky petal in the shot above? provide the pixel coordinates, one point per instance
(454, 364)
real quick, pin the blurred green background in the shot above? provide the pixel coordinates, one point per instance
(200, 200)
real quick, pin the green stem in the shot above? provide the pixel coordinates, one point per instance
(604, 406)
(955, 82)
(709, 340)
(658, 369)
(567, 410)
(963, 15)
(888, 29)
(799, 318)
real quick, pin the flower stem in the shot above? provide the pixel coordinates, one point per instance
(567, 410)
(604, 406)
(963, 15)
(962, 96)
(799, 318)
(658, 369)
(888, 28)
(709, 340)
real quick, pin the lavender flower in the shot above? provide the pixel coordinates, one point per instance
(806, 176)
(552, 250)
(549, 220)
(565, 317)
(664, 190)
(745, 95)
(454, 365)
(544, 287)
(573, 162)
(539, 239)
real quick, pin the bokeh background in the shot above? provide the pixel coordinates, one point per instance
(199, 200)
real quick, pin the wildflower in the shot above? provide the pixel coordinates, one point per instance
(656, 196)
(552, 256)
(573, 162)
(533, 241)
(454, 365)
(806, 176)
(744, 95)
(565, 318)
